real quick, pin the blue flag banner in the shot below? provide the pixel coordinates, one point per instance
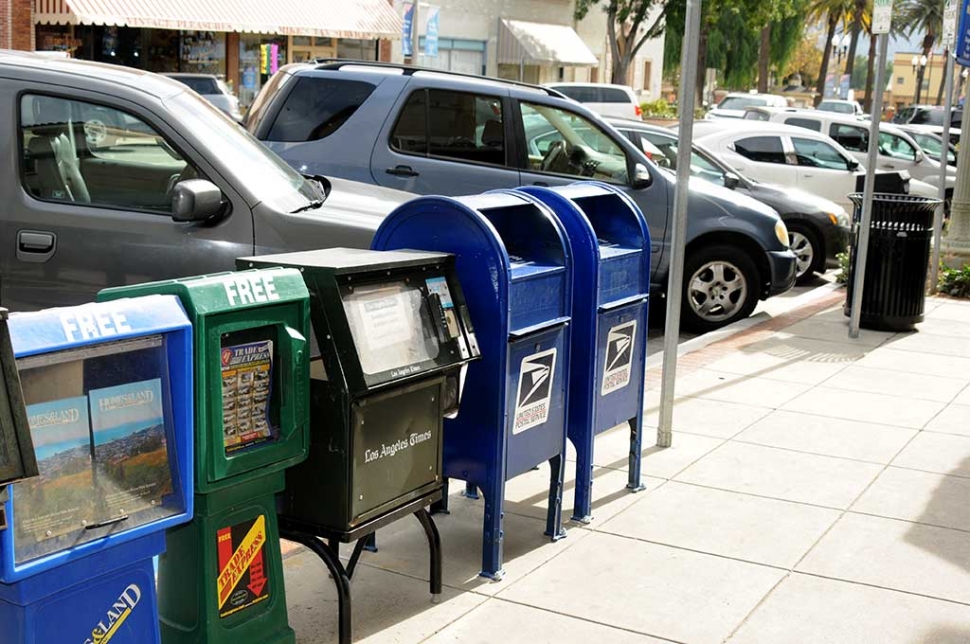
(963, 35)
(431, 35)
(408, 24)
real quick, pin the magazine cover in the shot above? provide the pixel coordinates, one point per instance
(247, 377)
(130, 452)
(59, 501)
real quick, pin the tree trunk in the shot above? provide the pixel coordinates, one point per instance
(860, 7)
(620, 67)
(870, 73)
(939, 92)
(823, 70)
(764, 56)
(701, 69)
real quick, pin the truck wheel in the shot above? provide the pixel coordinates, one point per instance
(720, 287)
(809, 252)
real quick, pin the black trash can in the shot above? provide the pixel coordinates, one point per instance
(894, 295)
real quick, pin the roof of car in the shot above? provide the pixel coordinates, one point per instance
(337, 64)
(703, 129)
(575, 84)
(148, 82)
(188, 75)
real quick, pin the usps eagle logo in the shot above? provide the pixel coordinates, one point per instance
(618, 360)
(536, 379)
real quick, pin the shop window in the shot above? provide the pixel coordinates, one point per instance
(455, 125)
(91, 154)
(317, 107)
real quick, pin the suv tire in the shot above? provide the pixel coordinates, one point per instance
(721, 286)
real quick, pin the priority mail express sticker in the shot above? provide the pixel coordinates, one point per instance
(619, 357)
(242, 580)
(536, 376)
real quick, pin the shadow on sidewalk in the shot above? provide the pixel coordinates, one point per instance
(950, 491)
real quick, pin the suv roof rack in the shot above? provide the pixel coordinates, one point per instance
(408, 70)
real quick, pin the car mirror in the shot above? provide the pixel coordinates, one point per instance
(731, 180)
(853, 165)
(195, 200)
(641, 177)
(920, 156)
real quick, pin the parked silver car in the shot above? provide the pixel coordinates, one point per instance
(116, 176)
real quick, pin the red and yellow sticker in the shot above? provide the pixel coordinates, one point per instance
(242, 580)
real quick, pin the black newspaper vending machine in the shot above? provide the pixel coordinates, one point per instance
(393, 336)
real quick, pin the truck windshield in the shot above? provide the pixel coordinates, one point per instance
(264, 175)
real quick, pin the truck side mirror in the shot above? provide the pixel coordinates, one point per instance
(853, 165)
(641, 177)
(731, 180)
(195, 200)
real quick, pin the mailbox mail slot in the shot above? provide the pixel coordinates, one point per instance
(107, 389)
(251, 420)
(514, 262)
(611, 245)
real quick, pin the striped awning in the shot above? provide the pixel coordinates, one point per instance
(365, 19)
(538, 43)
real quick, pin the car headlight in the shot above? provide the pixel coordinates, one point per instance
(781, 232)
(839, 218)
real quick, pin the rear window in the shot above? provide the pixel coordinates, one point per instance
(579, 94)
(809, 124)
(928, 117)
(317, 107)
(764, 149)
(200, 85)
(614, 95)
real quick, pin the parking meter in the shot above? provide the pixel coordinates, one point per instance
(611, 251)
(107, 390)
(221, 580)
(514, 261)
(394, 334)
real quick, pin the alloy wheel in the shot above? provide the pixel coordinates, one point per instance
(717, 290)
(801, 245)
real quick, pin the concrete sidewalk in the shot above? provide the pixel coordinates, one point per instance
(818, 490)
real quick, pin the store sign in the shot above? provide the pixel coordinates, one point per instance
(963, 35)
(408, 24)
(882, 16)
(431, 34)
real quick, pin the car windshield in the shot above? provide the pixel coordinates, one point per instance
(741, 102)
(933, 147)
(263, 173)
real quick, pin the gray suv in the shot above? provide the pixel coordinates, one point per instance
(116, 176)
(433, 132)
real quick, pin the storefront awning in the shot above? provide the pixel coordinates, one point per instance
(537, 43)
(365, 19)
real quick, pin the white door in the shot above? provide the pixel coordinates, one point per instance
(823, 170)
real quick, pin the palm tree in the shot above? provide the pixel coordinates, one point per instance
(860, 13)
(921, 16)
(833, 13)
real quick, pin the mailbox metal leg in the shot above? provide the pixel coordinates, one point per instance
(557, 467)
(434, 548)
(636, 454)
(583, 503)
(471, 491)
(340, 579)
(370, 542)
(494, 533)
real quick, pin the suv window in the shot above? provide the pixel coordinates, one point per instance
(810, 124)
(86, 153)
(927, 117)
(613, 95)
(579, 94)
(317, 107)
(564, 143)
(896, 147)
(454, 125)
(818, 154)
(764, 149)
(850, 137)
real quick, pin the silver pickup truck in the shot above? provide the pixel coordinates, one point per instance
(117, 176)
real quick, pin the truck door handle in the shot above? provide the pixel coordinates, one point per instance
(402, 171)
(35, 245)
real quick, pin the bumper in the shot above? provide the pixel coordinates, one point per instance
(782, 264)
(836, 240)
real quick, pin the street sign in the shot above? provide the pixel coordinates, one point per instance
(962, 47)
(882, 16)
(949, 23)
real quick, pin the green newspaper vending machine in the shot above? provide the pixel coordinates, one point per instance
(221, 579)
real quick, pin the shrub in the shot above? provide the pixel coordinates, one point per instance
(955, 281)
(658, 109)
(842, 276)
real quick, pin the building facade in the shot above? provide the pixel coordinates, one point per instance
(903, 85)
(537, 41)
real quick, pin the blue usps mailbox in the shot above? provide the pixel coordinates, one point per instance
(611, 265)
(108, 393)
(515, 265)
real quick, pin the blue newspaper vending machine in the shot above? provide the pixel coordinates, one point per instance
(611, 263)
(108, 394)
(514, 263)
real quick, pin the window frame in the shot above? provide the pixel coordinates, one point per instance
(22, 165)
(522, 156)
(508, 147)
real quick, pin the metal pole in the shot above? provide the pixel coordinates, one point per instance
(862, 249)
(675, 279)
(944, 167)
